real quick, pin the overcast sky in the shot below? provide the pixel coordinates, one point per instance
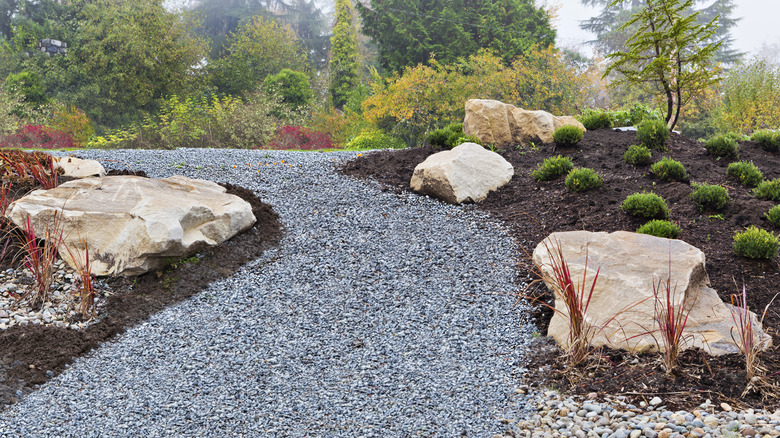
(758, 24)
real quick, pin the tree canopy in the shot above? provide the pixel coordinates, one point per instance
(344, 67)
(409, 32)
(611, 36)
(667, 54)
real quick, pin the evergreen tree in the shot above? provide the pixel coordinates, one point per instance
(409, 32)
(611, 36)
(667, 54)
(344, 67)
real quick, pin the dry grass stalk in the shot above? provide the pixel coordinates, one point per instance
(748, 347)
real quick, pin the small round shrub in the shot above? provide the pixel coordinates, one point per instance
(722, 146)
(438, 137)
(660, 228)
(668, 169)
(581, 179)
(446, 137)
(567, 136)
(653, 134)
(375, 140)
(755, 243)
(768, 140)
(710, 196)
(596, 120)
(552, 168)
(647, 205)
(745, 172)
(467, 139)
(637, 154)
(768, 189)
(773, 216)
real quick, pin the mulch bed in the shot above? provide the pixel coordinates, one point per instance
(30, 355)
(532, 210)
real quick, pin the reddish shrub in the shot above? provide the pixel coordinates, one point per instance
(38, 137)
(297, 137)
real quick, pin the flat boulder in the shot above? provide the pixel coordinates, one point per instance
(467, 173)
(502, 125)
(133, 224)
(622, 306)
(79, 168)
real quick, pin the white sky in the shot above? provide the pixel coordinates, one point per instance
(758, 24)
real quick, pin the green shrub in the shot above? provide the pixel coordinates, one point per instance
(552, 168)
(745, 172)
(596, 120)
(653, 134)
(582, 179)
(567, 136)
(637, 154)
(755, 243)
(467, 139)
(722, 146)
(768, 140)
(449, 136)
(773, 215)
(660, 228)
(668, 169)
(375, 140)
(768, 189)
(293, 87)
(710, 196)
(647, 205)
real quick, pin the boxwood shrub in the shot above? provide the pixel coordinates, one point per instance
(722, 146)
(668, 169)
(660, 228)
(596, 120)
(755, 243)
(552, 168)
(567, 136)
(773, 216)
(745, 172)
(768, 140)
(581, 179)
(637, 154)
(768, 189)
(710, 196)
(653, 134)
(647, 205)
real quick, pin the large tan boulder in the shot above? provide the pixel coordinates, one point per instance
(133, 224)
(629, 264)
(467, 173)
(501, 124)
(79, 168)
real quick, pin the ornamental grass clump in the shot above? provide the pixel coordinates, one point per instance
(671, 317)
(653, 134)
(581, 179)
(745, 336)
(637, 155)
(710, 196)
(745, 172)
(768, 189)
(567, 136)
(668, 169)
(83, 287)
(722, 146)
(660, 228)
(39, 253)
(552, 168)
(755, 243)
(646, 205)
(773, 216)
(768, 140)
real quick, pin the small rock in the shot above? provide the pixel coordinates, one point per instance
(726, 407)
(748, 431)
(3, 313)
(655, 401)
(750, 419)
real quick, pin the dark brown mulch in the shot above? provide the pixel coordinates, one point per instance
(532, 210)
(30, 355)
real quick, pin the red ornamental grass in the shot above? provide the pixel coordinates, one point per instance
(38, 166)
(576, 298)
(39, 257)
(671, 319)
(84, 286)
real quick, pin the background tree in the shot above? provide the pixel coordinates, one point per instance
(259, 48)
(292, 86)
(344, 66)
(408, 32)
(667, 54)
(611, 36)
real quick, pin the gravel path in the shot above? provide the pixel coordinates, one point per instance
(378, 315)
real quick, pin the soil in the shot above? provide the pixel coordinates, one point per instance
(532, 210)
(30, 355)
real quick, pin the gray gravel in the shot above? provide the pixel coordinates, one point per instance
(378, 315)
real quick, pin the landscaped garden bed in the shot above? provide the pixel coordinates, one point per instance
(533, 209)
